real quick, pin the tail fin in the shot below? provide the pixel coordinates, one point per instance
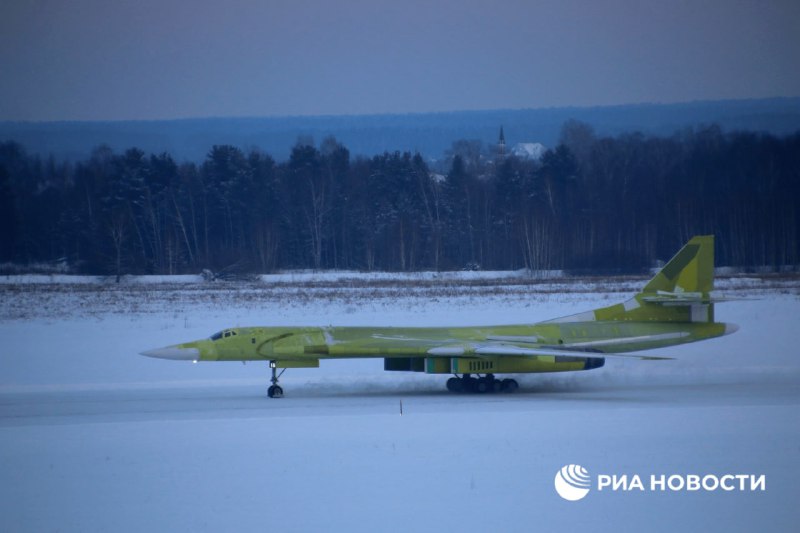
(679, 292)
(690, 271)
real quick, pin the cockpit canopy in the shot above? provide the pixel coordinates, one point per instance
(223, 334)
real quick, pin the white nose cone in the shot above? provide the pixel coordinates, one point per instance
(173, 352)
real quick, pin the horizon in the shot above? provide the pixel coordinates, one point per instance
(431, 134)
(729, 101)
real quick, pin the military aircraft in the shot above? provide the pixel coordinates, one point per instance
(675, 307)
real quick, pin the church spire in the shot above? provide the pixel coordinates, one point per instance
(501, 143)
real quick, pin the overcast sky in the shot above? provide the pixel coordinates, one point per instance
(153, 59)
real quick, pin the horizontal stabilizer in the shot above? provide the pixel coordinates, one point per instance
(684, 298)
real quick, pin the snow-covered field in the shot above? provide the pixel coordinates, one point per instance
(94, 437)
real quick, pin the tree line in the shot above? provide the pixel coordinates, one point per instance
(593, 203)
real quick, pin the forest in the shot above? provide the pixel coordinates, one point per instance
(592, 204)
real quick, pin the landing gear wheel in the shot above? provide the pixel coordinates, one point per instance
(509, 385)
(275, 391)
(487, 384)
(469, 384)
(455, 385)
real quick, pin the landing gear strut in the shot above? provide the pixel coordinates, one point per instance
(275, 390)
(480, 385)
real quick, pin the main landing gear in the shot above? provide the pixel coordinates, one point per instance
(480, 385)
(275, 390)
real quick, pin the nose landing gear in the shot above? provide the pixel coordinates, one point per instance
(275, 390)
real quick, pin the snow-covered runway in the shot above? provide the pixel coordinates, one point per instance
(96, 438)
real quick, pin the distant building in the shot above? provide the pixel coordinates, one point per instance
(533, 151)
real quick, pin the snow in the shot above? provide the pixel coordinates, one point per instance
(315, 276)
(292, 276)
(529, 150)
(95, 437)
(30, 279)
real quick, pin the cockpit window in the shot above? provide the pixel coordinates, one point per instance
(224, 333)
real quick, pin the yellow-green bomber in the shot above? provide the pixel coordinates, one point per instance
(675, 307)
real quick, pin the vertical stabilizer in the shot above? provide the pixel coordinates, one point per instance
(679, 292)
(691, 270)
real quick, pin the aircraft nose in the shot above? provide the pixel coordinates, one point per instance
(174, 352)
